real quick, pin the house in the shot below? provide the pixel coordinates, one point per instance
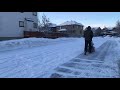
(109, 31)
(13, 24)
(51, 31)
(62, 30)
(52, 27)
(74, 29)
(96, 31)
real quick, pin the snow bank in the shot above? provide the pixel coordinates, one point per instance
(100, 40)
(36, 42)
(39, 61)
(28, 43)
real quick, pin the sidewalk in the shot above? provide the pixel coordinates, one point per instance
(90, 66)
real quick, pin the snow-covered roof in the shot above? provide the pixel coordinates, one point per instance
(110, 28)
(70, 23)
(95, 27)
(62, 30)
(113, 32)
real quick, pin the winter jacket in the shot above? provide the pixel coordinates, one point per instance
(88, 35)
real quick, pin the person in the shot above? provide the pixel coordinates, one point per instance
(88, 35)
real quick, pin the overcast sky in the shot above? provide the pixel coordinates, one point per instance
(95, 19)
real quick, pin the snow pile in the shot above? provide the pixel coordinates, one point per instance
(39, 61)
(28, 43)
(33, 42)
(100, 40)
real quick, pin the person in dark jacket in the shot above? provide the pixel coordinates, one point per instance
(88, 35)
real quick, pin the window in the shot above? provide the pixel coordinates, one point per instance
(21, 23)
(35, 25)
(80, 31)
(62, 27)
(73, 31)
(81, 27)
(35, 13)
(73, 26)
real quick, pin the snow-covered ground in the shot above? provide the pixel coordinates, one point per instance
(40, 57)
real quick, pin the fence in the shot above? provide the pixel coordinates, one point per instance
(44, 35)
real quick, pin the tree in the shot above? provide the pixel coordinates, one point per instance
(98, 31)
(44, 23)
(118, 27)
(118, 23)
(114, 29)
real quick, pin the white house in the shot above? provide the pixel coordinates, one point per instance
(13, 24)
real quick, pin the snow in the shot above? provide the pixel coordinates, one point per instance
(70, 23)
(101, 64)
(62, 30)
(39, 57)
(113, 32)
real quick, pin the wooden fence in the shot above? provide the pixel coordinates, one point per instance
(44, 35)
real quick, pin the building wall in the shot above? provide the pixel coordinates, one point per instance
(9, 23)
(73, 30)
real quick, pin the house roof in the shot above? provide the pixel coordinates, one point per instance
(52, 25)
(94, 27)
(108, 28)
(70, 23)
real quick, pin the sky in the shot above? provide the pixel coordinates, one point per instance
(94, 19)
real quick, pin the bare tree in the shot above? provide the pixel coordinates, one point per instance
(45, 20)
(44, 23)
(118, 27)
(118, 23)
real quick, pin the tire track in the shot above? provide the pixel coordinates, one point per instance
(89, 66)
